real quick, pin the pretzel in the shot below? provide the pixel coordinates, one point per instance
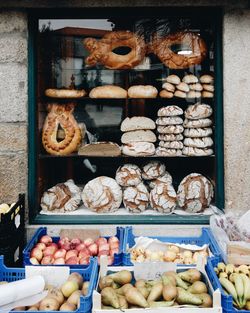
(162, 48)
(61, 115)
(102, 51)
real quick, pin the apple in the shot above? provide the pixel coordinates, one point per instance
(114, 245)
(69, 287)
(62, 241)
(75, 242)
(80, 247)
(93, 249)
(34, 261)
(103, 252)
(59, 261)
(84, 254)
(76, 277)
(66, 246)
(50, 250)
(104, 247)
(101, 241)
(40, 245)
(88, 242)
(75, 298)
(67, 307)
(71, 253)
(61, 253)
(57, 294)
(84, 261)
(46, 239)
(113, 239)
(49, 304)
(72, 260)
(85, 288)
(47, 260)
(36, 253)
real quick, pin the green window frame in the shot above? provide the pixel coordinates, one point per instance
(34, 216)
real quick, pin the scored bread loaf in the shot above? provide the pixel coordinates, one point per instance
(163, 198)
(183, 87)
(108, 92)
(198, 110)
(173, 79)
(153, 169)
(200, 123)
(128, 175)
(168, 87)
(173, 120)
(170, 137)
(137, 123)
(197, 132)
(204, 142)
(166, 179)
(171, 110)
(171, 129)
(191, 151)
(136, 198)
(171, 144)
(138, 135)
(168, 152)
(139, 148)
(190, 79)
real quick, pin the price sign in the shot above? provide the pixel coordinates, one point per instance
(152, 270)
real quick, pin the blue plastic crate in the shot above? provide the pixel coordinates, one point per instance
(89, 274)
(205, 238)
(226, 300)
(43, 231)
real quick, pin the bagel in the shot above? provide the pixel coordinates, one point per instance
(65, 93)
(162, 48)
(61, 115)
(101, 51)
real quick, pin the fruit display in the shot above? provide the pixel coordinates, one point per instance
(170, 253)
(236, 282)
(66, 298)
(72, 251)
(119, 290)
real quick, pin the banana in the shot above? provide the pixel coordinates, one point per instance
(221, 267)
(243, 269)
(229, 269)
(223, 275)
(246, 283)
(232, 277)
(239, 287)
(229, 287)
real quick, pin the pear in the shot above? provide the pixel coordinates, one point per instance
(121, 291)
(144, 291)
(158, 304)
(156, 292)
(190, 275)
(133, 296)
(123, 277)
(105, 281)
(123, 302)
(185, 297)
(207, 301)
(109, 297)
(198, 287)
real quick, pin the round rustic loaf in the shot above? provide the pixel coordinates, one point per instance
(108, 92)
(190, 79)
(136, 198)
(166, 179)
(128, 175)
(170, 129)
(195, 193)
(204, 142)
(171, 110)
(102, 195)
(163, 198)
(173, 79)
(153, 170)
(167, 152)
(170, 137)
(175, 120)
(171, 144)
(198, 111)
(138, 135)
(137, 123)
(200, 123)
(142, 91)
(197, 132)
(191, 151)
(140, 148)
(168, 87)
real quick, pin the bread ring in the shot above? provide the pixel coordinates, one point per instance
(162, 48)
(102, 51)
(65, 93)
(61, 115)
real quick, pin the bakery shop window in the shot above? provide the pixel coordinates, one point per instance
(127, 117)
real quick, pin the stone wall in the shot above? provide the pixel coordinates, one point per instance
(13, 104)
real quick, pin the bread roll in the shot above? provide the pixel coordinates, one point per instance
(138, 135)
(200, 123)
(137, 123)
(206, 79)
(171, 129)
(163, 198)
(195, 193)
(171, 137)
(166, 179)
(136, 198)
(198, 111)
(153, 170)
(173, 79)
(196, 87)
(171, 144)
(207, 87)
(207, 94)
(169, 87)
(140, 148)
(108, 92)
(191, 151)
(65, 93)
(190, 79)
(194, 94)
(128, 175)
(164, 152)
(173, 120)
(142, 91)
(102, 195)
(166, 94)
(171, 110)
(180, 94)
(183, 87)
(197, 132)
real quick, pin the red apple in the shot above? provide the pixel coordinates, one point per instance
(72, 260)
(36, 253)
(47, 260)
(53, 244)
(40, 245)
(71, 253)
(84, 261)
(46, 239)
(103, 252)
(93, 249)
(62, 241)
(75, 241)
(88, 242)
(84, 253)
(49, 251)
(34, 261)
(101, 241)
(113, 251)
(66, 246)
(80, 247)
(113, 239)
(104, 247)
(59, 261)
(61, 253)
(114, 245)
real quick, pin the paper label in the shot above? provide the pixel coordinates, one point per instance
(17, 220)
(80, 233)
(53, 275)
(152, 270)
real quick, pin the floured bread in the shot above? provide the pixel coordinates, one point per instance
(171, 144)
(195, 193)
(102, 195)
(197, 132)
(200, 123)
(128, 175)
(191, 151)
(168, 87)
(168, 152)
(170, 137)
(136, 123)
(138, 135)
(176, 120)
(62, 197)
(197, 111)
(140, 148)
(171, 110)
(204, 142)
(171, 129)
(163, 198)
(166, 179)
(108, 92)
(196, 87)
(100, 149)
(153, 170)
(190, 79)
(136, 198)
(206, 79)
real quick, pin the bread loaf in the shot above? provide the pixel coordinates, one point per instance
(191, 151)
(198, 111)
(136, 198)
(206, 79)
(142, 91)
(196, 87)
(200, 123)
(173, 120)
(166, 179)
(192, 94)
(65, 93)
(204, 142)
(153, 170)
(183, 87)
(190, 79)
(180, 94)
(197, 132)
(137, 123)
(168, 87)
(108, 92)
(207, 94)
(163, 198)
(140, 148)
(171, 144)
(128, 175)
(171, 137)
(166, 94)
(173, 79)
(171, 110)
(164, 152)
(100, 149)
(172, 129)
(138, 135)
(208, 87)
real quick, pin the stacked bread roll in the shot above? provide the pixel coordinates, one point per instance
(170, 129)
(138, 137)
(189, 87)
(198, 130)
